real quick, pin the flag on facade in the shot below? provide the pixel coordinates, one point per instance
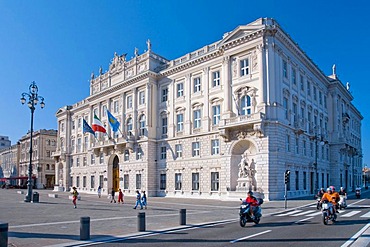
(113, 122)
(97, 125)
(87, 128)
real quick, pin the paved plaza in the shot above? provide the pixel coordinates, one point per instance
(54, 221)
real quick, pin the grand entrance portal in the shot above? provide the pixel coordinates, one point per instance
(115, 173)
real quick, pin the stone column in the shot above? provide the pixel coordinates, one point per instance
(226, 81)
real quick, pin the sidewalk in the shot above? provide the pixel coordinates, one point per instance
(54, 221)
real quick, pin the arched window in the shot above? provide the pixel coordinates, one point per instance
(129, 126)
(142, 125)
(245, 105)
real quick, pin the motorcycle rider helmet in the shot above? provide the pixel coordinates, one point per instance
(250, 193)
(329, 189)
(332, 188)
(341, 188)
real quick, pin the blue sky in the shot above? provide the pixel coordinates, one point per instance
(59, 43)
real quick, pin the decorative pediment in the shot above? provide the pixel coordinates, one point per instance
(240, 32)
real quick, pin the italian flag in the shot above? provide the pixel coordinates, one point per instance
(97, 125)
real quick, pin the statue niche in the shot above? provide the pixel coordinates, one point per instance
(246, 175)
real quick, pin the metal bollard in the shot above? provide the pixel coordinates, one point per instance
(3, 234)
(141, 222)
(182, 217)
(84, 228)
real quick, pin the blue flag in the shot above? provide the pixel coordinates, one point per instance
(113, 122)
(86, 128)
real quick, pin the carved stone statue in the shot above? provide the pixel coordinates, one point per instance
(92, 76)
(348, 86)
(100, 70)
(149, 45)
(334, 69)
(247, 173)
(136, 52)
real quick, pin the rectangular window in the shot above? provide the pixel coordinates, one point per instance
(178, 148)
(104, 111)
(164, 94)
(296, 146)
(178, 181)
(285, 105)
(195, 181)
(215, 181)
(92, 182)
(215, 144)
(127, 155)
(216, 114)
(196, 149)
(79, 145)
(197, 119)
(305, 180)
(77, 162)
(302, 82)
(78, 181)
(138, 153)
(308, 88)
(141, 98)
(296, 180)
(294, 77)
(126, 181)
(285, 69)
(314, 93)
(304, 148)
(48, 154)
(163, 153)
(244, 67)
(320, 97)
(180, 89)
(84, 161)
(216, 78)
(73, 124)
(180, 122)
(86, 142)
(138, 181)
(101, 181)
(311, 149)
(162, 182)
(115, 106)
(92, 159)
(287, 143)
(101, 158)
(129, 102)
(84, 181)
(197, 85)
(71, 162)
(164, 126)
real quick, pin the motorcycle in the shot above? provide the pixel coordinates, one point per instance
(328, 212)
(342, 202)
(358, 193)
(318, 204)
(245, 215)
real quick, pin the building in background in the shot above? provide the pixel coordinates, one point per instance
(9, 165)
(4, 142)
(43, 166)
(232, 116)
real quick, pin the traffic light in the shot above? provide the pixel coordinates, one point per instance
(287, 176)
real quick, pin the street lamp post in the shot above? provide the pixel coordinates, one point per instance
(322, 142)
(33, 99)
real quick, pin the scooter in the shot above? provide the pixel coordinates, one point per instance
(245, 215)
(342, 201)
(328, 213)
(358, 193)
(318, 204)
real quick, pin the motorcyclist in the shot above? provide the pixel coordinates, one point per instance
(320, 193)
(336, 194)
(330, 196)
(342, 192)
(253, 203)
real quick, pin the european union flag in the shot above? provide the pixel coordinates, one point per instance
(86, 128)
(113, 122)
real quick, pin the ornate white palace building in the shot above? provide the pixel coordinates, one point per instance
(214, 123)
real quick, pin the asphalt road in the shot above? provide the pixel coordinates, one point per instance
(54, 222)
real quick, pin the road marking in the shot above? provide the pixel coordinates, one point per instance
(367, 215)
(354, 237)
(356, 202)
(250, 236)
(350, 214)
(314, 214)
(303, 220)
(303, 213)
(289, 213)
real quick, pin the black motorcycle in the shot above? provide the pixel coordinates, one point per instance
(245, 215)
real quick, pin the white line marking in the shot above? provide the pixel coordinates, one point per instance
(350, 214)
(250, 236)
(367, 215)
(289, 213)
(303, 220)
(303, 213)
(354, 237)
(314, 214)
(356, 202)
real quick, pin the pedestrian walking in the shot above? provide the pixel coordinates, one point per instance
(99, 191)
(120, 196)
(143, 200)
(112, 194)
(138, 200)
(74, 196)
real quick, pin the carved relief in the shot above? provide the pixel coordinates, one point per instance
(254, 61)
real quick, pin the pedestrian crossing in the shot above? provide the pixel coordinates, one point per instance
(342, 213)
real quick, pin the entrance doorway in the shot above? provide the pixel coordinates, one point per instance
(115, 173)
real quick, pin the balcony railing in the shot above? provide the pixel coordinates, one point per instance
(242, 119)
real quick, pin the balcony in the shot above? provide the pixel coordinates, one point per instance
(251, 123)
(118, 144)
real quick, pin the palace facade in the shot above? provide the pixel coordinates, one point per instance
(231, 116)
